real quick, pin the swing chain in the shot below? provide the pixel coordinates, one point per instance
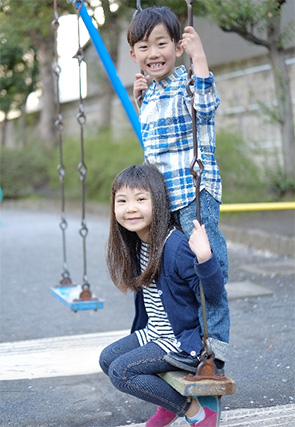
(66, 279)
(138, 8)
(139, 99)
(82, 168)
(206, 367)
(196, 166)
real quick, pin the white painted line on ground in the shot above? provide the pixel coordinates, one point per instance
(76, 354)
(54, 357)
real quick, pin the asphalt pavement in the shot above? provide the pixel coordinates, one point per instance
(48, 355)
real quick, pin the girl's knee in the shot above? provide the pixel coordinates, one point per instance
(104, 361)
(116, 375)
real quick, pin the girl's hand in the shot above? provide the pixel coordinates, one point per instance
(199, 242)
(140, 84)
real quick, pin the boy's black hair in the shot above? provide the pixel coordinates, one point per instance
(145, 21)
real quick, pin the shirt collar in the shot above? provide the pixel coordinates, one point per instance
(162, 84)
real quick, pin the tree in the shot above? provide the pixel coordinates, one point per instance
(18, 77)
(28, 23)
(259, 22)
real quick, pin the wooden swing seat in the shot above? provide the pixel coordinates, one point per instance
(208, 391)
(205, 387)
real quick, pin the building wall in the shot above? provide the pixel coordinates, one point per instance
(241, 92)
(243, 79)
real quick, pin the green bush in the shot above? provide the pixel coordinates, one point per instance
(23, 170)
(32, 170)
(242, 178)
(280, 186)
(104, 158)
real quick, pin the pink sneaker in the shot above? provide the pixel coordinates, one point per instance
(162, 418)
(210, 419)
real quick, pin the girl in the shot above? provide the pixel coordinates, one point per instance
(149, 256)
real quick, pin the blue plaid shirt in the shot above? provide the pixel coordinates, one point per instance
(166, 124)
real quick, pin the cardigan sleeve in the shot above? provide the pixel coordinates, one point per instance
(210, 275)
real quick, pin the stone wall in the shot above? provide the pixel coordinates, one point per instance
(241, 88)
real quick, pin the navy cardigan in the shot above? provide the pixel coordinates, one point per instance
(177, 284)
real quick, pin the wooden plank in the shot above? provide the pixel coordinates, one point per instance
(177, 379)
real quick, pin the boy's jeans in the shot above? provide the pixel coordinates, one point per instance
(217, 315)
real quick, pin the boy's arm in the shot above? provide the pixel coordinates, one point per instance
(206, 99)
(192, 44)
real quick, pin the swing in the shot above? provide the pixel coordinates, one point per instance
(75, 297)
(205, 383)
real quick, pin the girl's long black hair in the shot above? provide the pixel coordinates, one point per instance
(123, 245)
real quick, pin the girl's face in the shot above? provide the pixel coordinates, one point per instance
(133, 210)
(156, 55)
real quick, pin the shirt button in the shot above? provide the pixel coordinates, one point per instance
(160, 292)
(193, 353)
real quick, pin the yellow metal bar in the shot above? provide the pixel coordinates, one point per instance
(247, 207)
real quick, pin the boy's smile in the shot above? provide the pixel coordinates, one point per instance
(156, 55)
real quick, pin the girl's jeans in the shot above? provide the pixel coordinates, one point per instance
(217, 315)
(133, 370)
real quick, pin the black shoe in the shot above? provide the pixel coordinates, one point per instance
(185, 361)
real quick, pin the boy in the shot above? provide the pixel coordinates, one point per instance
(166, 123)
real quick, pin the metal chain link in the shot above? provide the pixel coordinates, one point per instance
(82, 168)
(139, 99)
(196, 169)
(66, 279)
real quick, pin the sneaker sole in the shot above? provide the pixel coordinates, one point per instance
(187, 368)
(180, 365)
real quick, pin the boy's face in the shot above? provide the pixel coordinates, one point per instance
(156, 55)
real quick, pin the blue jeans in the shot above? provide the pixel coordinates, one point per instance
(217, 315)
(133, 370)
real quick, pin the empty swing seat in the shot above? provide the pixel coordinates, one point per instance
(70, 297)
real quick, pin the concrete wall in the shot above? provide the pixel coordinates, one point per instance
(243, 79)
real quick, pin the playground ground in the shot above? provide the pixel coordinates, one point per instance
(48, 355)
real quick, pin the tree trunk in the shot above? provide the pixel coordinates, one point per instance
(282, 85)
(48, 112)
(283, 92)
(4, 129)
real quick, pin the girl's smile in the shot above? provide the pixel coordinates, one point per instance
(133, 210)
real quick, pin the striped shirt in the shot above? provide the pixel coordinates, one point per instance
(158, 328)
(166, 125)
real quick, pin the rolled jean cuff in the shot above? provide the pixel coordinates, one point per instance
(221, 349)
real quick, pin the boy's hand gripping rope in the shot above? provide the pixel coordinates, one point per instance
(206, 369)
